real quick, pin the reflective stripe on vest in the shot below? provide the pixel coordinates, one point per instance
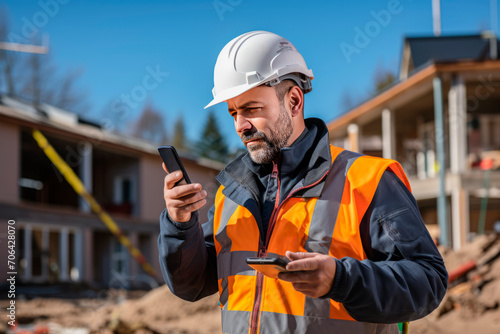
(328, 225)
(272, 323)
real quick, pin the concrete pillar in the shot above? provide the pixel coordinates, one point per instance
(346, 143)
(45, 254)
(353, 135)
(63, 254)
(77, 270)
(88, 259)
(85, 173)
(134, 265)
(10, 152)
(388, 134)
(484, 129)
(459, 217)
(440, 152)
(496, 138)
(431, 163)
(156, 264)
(28, 261)
(457, 101)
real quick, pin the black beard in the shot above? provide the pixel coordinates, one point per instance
(269, 148)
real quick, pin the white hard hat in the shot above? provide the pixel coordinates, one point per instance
(256, 58)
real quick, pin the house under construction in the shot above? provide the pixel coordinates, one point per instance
(441, 121)
(58, 238)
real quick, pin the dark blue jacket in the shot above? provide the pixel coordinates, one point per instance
(403, 279)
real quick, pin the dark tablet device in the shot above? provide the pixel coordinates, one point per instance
(173, 162)
(269, 266)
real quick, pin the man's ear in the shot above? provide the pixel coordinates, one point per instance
(296, 98)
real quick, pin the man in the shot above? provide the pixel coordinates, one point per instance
(361, 257)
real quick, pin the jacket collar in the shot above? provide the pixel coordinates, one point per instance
(306, 162)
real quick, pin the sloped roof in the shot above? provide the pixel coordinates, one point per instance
(68, 122)
(420, 51)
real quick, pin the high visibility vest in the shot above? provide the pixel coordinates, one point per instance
(328, 224)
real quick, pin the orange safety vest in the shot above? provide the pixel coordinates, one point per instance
(328, 224)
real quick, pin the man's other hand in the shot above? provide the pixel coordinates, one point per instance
(310, 273)
(182, 200)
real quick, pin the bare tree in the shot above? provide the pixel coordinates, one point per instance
(8, 59)
(383, 78)
(150, 126)
(35, 77)
(67, 96)
(34, 85)
(179, 139)
(114, 116)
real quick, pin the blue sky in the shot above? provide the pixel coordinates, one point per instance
(117, 44)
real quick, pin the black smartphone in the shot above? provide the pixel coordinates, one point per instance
(173, 162)
(269, 266)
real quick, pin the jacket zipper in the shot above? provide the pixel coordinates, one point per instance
(276, 206)
(263, 252)
(258, 296)
(263, 247)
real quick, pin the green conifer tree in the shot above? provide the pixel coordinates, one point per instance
(212, 144)
(179, 141)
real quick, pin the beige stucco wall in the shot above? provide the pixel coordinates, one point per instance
(9, 162)
(150, 188)
(151, 203)
(151, 177)
(206, 177)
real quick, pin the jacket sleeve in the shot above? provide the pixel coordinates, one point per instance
(404, 277)
(188, 257)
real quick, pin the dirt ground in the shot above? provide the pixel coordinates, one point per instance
(157, 311)
(471, 305)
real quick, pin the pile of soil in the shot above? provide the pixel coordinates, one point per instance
(160, 311)
(472, 302)
(157, 311)
(471, 305)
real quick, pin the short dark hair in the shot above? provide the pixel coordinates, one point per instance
(283, 87)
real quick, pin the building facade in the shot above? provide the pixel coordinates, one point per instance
(441, 121)
(58, 238)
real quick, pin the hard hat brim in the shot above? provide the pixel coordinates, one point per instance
(230, 93)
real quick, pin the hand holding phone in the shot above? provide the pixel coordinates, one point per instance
(173, 163)
(180, 201)
(269, 266)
